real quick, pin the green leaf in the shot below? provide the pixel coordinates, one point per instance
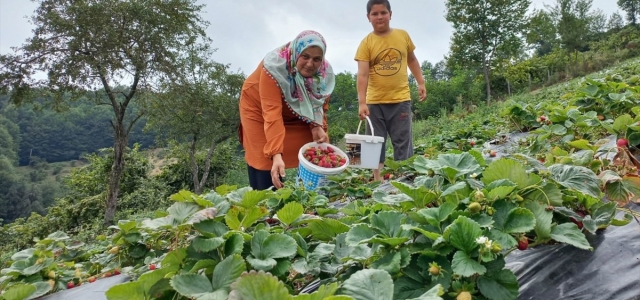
(250, 199)
(265, 245)
(258, 286)
(420, 195)
(389, 262)
(393, 242)
(569, 233)
(290, 212)
(193, 286)
(203, 264)
(547, 193)
(211, 228)
(389, 223)
(432, 294)
(500, 192)
(464, 265)
(601, 217)
(234, 244)
(462, 234)
(138, 289)
(19, 291)
(582, 144)
(369, 284)
(558, 129)
(252, 215)
(621, 123)
(577, 178)
(227, 271)
(501, 285)
(180, 211)
(505, 240)
(543, 219)
(326, 229)
(359, 233)
(519, 220)
(505, 168)
(202, 244)
(431, 235)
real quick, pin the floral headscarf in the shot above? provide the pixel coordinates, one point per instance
(305, 96)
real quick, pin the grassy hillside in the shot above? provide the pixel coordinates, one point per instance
(443, 234)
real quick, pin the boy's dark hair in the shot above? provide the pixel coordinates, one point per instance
(371, 3)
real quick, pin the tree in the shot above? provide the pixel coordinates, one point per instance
(615, 22)
(484, 28)
(110, 47)
(573, 19)
(632, 8)
(541, 33)
(197, 105)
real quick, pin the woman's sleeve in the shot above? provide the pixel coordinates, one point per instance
(271, 102)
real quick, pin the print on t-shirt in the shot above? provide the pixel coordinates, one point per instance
(388, 62)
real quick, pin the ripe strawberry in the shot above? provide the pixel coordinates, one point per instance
(622, 143)
(92, 279)
(464, 295)
(492, 153)
(578, 223)
(70, 285)
(523, 244)
(152, 267)
(108, 274)
(472, 143)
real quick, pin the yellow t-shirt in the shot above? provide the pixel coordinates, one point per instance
(387, 57)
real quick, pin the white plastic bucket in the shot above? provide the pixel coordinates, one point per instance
(313, 176)
(364, 150)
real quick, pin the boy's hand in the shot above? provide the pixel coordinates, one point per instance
(422, 91)
(363, 111)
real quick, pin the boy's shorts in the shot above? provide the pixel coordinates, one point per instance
(395, 120)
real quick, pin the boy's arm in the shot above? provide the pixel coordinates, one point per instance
(362, 81)
(414, 67)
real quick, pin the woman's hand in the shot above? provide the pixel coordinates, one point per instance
(277, 171)
(319, 136)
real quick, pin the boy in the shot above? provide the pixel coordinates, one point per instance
(383, 84)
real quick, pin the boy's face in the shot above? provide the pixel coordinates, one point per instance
(379, 17)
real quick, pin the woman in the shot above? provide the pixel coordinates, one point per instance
(283, 106)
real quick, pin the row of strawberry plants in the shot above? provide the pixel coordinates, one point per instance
(450, 231)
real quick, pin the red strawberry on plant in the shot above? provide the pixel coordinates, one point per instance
(116, 272)
(152, 267)
(70, 285)
(472, 143)
(578, 223)
(622, 143)
(523, 244)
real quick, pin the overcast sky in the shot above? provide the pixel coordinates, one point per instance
(245, 30)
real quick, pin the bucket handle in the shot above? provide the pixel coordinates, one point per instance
(370, 125)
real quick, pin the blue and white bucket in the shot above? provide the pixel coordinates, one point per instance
(313, 176)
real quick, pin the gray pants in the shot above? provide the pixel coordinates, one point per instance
(393, 120)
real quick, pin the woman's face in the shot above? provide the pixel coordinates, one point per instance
(309, 61)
